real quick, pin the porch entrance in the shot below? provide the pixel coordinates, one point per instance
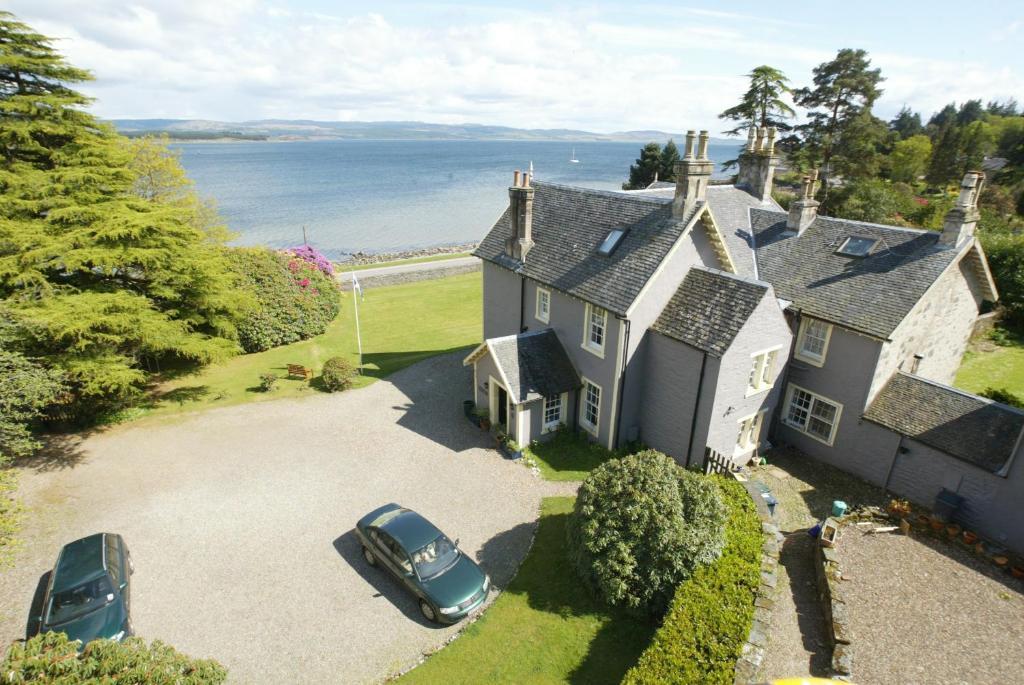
(503, 408)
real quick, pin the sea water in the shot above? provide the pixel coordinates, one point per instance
(382, 196)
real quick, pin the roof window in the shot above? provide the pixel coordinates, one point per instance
(611, 241)
(856, 246)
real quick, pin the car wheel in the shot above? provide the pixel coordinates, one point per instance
(368, 555)
(428, 611)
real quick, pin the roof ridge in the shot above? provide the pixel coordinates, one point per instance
(616, 194)
(764, 285)
(958, 391)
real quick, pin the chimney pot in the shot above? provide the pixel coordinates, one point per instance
(515, 179)
(689, 144)
(771, 140)
(750, 139)
(702, 150)
(961, 221)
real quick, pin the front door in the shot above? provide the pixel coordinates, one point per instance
(503, 408)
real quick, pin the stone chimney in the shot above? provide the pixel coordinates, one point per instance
(804, 210)
(757, 162)
(693, 173)
(520, 196)
(963, 218)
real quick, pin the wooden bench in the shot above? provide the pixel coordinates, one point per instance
(299, 370)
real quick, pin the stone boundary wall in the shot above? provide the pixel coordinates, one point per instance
(442, 271)
(752, 654)
(830, 594)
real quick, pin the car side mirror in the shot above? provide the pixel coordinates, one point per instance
(456, 542)
(123, 585)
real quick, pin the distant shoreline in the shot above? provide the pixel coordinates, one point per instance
(361, 258)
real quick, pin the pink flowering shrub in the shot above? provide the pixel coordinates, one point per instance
(311, 255)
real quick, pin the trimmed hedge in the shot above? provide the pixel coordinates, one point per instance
(709, 620)
(295, 299)
(51, 658)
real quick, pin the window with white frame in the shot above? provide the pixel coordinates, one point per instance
(543, 312)
(812, 343)
(761, 371)
(590, 411)
(812, 414)
(552, 412)
(595, 329)
(750, 432)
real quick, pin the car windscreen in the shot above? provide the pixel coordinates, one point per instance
(80, 600)
(435, 557)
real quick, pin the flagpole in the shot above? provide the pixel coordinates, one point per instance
(356, 291)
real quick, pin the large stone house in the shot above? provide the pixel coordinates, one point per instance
(693, 315)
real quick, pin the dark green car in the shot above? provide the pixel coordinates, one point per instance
(88, 596)
(448, 584)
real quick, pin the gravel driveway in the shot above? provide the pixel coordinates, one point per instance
(240, 523)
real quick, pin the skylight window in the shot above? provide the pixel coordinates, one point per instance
(611, 241)
(856, 246)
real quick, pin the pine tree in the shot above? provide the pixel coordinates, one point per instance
(669, 157)
(844, 88)
(762, 104)
(907, 124)
(946, 154)
(100, 277)
(647, 166)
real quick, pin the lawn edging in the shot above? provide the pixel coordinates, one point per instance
(714, 617)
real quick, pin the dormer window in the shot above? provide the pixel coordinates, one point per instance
(856, 246)
(611, 241)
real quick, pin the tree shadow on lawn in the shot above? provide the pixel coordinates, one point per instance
(350, 549)
(550, 584)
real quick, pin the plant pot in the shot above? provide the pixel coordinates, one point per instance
(485, 424)
(980, 548)
(1000, 561)
(1017, 571)
(922, 520)
(936, 524)
(969, 537)
(952, 530)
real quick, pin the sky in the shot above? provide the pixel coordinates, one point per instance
(598, 66)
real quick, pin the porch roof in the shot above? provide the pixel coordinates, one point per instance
(531, 365)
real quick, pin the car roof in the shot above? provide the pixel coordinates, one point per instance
(411, 530)
(79, 561)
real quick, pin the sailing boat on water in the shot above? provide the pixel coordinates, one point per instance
(573, 160)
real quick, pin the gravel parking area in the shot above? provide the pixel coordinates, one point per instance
(240, 522)
(924, 611)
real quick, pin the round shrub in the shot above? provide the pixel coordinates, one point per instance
(642, 525)
(337, 374)
(295, 299)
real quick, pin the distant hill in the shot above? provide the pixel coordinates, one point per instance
(281, 129)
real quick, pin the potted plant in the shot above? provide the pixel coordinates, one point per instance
(952, 530)
(936, 523)
(1017, 570)
(970, 537)
(899, 508)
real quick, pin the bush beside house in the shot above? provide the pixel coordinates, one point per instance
(296, 299)
(704, 630)
(641, 525)
(51, 658)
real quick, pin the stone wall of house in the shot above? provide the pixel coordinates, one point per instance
(502, 291)
(937, 329)
(766, 329)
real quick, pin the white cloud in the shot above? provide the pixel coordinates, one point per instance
(251, 59)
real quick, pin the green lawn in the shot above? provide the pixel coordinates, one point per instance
(342, 268)
(567, 456)
(545, 627)
(990, 366)
(401, 325)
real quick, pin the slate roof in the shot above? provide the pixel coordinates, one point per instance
(568, 226)
(872, 294)
(535, 365)
(970, 428)
(730, 206)
(709, 308)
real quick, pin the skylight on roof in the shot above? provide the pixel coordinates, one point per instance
(611, 241)
(856, 246)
